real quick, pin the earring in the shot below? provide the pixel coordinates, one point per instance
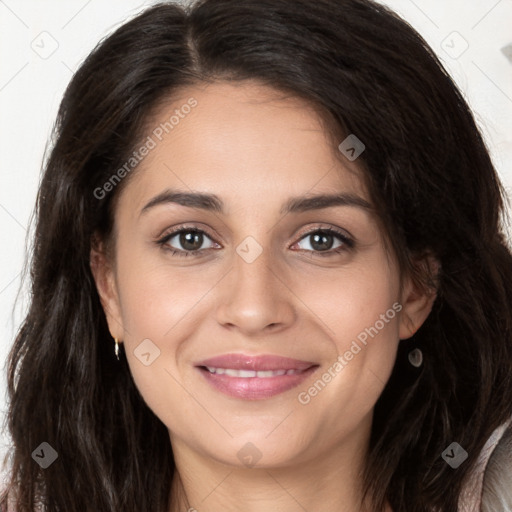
(117, 348)
(416, 357)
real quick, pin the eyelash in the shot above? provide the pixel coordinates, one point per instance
(347, 243)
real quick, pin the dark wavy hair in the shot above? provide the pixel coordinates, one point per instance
(426, 167)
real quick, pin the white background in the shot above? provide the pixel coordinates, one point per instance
(33, 79)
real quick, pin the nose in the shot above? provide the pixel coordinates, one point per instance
(255, 298)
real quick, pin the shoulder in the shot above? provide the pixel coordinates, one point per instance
(489, 485)
(497, 485)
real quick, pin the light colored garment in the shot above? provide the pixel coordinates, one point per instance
(471, 497)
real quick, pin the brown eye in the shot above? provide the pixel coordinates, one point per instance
(185, 241)
(190, 240)
(323, 240)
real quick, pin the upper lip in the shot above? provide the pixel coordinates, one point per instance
(266, 362)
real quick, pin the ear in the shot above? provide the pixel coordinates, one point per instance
(104, 276)
(418, 299)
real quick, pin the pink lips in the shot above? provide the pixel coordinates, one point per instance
(289, 373)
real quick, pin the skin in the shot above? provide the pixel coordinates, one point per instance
(255, 149)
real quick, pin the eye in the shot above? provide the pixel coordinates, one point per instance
(188, 240)
(322, 241)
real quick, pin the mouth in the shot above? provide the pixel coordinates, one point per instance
(254, 377)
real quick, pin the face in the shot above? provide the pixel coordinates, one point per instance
(294, 305)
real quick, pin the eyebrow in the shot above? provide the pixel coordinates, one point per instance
(213, 203)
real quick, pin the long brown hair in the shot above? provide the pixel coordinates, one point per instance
(427, 169)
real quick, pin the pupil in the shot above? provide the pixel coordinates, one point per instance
(189, 240)
(320, 240)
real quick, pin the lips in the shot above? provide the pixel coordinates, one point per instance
(254, 377)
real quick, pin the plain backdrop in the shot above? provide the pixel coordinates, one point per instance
(43, 42)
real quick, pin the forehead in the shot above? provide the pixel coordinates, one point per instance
(243, 141)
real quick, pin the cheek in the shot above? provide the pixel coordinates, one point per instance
(156, 313)
(370, 338)
(157, 297)
(160, 303)
(360, 312)
(356, 303)
(367, 317)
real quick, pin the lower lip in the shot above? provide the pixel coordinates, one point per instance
(255, 388)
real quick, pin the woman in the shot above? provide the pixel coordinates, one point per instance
(269, 274)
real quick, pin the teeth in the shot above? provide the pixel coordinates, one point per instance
(240, 373)
(250, 373)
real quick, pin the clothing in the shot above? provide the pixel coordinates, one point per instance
(471, 496)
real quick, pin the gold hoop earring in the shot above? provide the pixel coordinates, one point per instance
(117, 348)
